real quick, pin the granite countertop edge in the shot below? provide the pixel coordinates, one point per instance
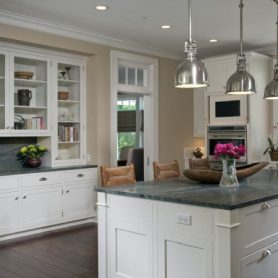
(187, 202)
(42, 169)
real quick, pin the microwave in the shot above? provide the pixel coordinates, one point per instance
(228, 109)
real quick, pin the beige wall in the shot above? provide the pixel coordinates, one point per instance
(175, 106)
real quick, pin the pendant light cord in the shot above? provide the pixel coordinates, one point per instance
(190, 20)
(241, 27)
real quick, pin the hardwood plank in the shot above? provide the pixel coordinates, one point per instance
(70, 253)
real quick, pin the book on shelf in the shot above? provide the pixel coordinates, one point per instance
(35, 123)
(68, 133)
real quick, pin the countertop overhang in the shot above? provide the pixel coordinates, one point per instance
(263, 186)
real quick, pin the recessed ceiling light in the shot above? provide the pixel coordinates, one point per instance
(213, 40)
(101, 8)
(165, 26)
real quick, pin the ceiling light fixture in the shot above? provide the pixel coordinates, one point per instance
(101, 8)
(241, 82)
(165, 26)
(213, 40)
(191, 72)
(271, 90)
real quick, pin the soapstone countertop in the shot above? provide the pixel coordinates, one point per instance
(263, 186)
(7, 171)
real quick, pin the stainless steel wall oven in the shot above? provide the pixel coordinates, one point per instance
(226, 134)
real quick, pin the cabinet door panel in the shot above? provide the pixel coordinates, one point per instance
(182, 256)
(9, 207)
(258, 266)
(41, 207)
(217, 74)
(131, 251)
(78, 201)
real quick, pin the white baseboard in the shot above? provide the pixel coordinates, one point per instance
(47, 229)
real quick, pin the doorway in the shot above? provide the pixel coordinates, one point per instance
(134, 113)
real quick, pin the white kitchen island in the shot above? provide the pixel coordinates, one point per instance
(180, 229)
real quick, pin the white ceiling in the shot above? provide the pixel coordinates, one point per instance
(211, 19)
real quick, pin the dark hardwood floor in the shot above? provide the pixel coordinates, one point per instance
(70, 253)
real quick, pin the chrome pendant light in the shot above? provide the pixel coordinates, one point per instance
(191, 72)
(241, 82)
(271, 90)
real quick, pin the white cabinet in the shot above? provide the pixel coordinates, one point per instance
(25, 94)
(180, 255)
(41, 207)
(200, 112)
(262, 263)
(78, 200)
(31, 201)
(9, 210)
(131, 251)
(69, 122)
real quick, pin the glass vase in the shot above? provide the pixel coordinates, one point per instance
(229, 177)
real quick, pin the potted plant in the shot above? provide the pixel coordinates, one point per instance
(30, 155)
(272, 150)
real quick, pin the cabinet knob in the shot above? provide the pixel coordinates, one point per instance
(12, 127)
(265, 254)
(265, 206)
(43, 179)
(16, 198)
(7, 127)
(24, 197)
(80, 175)
(67, 191)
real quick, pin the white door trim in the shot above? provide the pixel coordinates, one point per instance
(151, 108)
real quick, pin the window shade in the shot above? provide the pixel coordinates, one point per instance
(126, 121)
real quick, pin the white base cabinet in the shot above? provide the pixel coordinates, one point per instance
(140, 238)
(32, 201)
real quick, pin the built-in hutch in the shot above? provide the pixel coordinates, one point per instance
(43, 95)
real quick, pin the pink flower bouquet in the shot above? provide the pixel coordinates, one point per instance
(229, 151)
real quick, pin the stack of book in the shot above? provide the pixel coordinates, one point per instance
(67, 133)
(35, 123)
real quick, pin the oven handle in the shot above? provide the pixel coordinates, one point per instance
(226, 137)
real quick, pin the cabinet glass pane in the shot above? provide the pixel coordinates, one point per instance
(140, 77)
(68, 99)
(121, 75)
(30, 94)
(2, 91)
(131, 76)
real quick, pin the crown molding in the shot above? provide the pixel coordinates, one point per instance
(45, 26)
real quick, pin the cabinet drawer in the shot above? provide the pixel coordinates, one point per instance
(262, 263)
(41, 179)
(259, 226)
(134, 210)
(192, 219)
(80, 175)
(9, 184)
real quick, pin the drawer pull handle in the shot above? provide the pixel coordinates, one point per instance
(265, 253)
(24, 197)
(265, 206)
(16, 198)
(80, 175)
(43, 179)
(67, 191)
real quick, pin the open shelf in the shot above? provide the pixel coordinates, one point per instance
(67, 83)
(68, 122)
(28, 83)
(2, 77)
(68, 101)
(29, 108)
(68, 142)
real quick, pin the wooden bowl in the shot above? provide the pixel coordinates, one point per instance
(24, 74)
(63, 95)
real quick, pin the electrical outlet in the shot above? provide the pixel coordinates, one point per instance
(183, 219)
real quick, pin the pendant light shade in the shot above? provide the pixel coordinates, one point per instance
(271, 90)
(241, 82)
(191, 72)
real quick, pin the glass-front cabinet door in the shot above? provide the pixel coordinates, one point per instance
(70, 113)
(29, 102)
(4, 99)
